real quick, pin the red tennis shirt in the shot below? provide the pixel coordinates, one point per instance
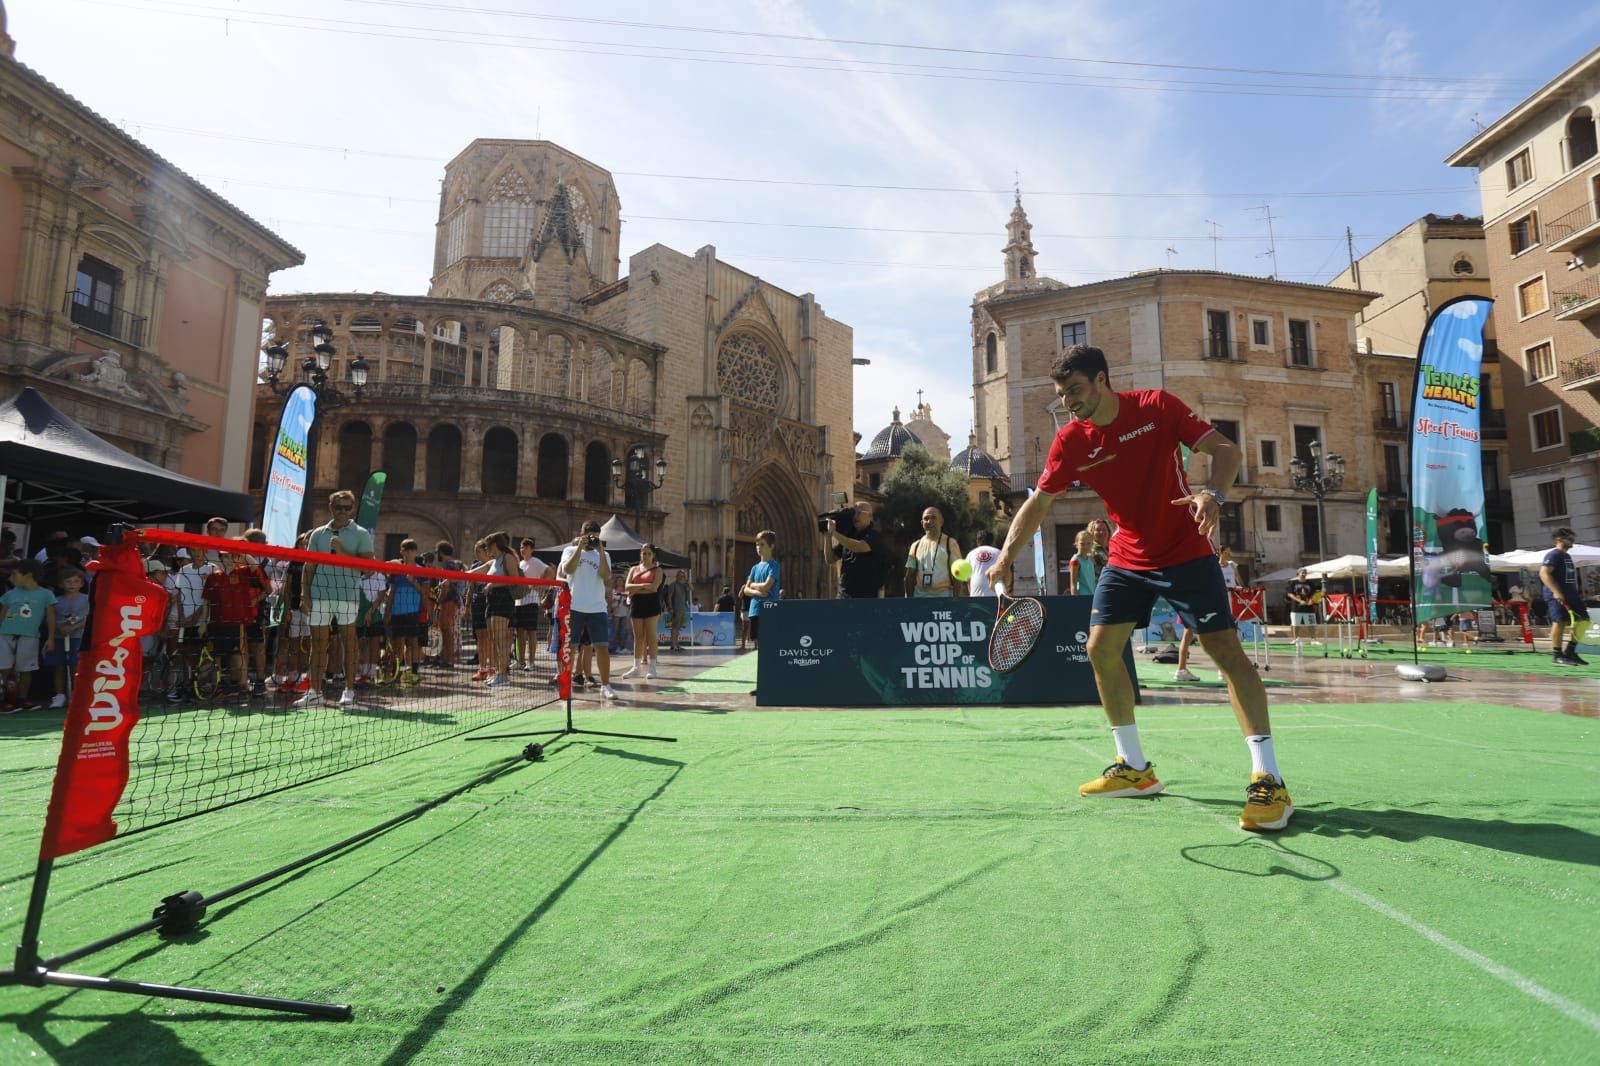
(232, 596)
(1136, 466)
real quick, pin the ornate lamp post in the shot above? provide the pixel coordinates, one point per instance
(633, 477)
(1321, 475)
(314, 374)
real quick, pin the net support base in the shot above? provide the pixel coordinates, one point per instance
(567, 729)
(42, 977)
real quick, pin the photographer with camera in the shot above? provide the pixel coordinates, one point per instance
(586, 568)
(857, 548)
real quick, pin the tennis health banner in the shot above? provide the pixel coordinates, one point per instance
(1450, 568)
(917, 652)
(92, 769)
(286, 478)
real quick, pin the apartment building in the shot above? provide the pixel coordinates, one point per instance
(1539, 178)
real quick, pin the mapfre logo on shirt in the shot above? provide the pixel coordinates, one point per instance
(1148, 427)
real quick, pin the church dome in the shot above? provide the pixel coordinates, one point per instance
(891, 440)
(973, 461)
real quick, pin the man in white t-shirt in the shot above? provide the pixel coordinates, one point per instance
(586, 568)
(330, 594)
(981, 559)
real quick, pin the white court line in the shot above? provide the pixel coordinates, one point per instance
(1576, 1011)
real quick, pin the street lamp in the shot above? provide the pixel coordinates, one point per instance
(314, 370)
(634, 478)
(1321, 475)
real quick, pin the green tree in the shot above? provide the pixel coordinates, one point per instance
(916, 482)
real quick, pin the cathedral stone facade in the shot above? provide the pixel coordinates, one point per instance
(500, 399)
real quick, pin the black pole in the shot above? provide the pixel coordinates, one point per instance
(181, 910)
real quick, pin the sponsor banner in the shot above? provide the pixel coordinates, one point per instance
(371, 500)
(1450, 565)
(917, 652)
(706, 628)
(1372, 555)
(93, 767)
(286, 473)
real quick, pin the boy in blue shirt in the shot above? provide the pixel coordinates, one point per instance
(26, 612)
(764, 585)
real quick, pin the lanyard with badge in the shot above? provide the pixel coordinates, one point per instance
(931, 565)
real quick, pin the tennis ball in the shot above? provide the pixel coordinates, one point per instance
(961, 570)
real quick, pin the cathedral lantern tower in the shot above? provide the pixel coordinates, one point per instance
(1019, 245)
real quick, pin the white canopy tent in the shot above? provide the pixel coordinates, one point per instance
(1533, 558)
(1347, 566)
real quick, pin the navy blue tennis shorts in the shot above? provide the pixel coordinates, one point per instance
(1195, 589)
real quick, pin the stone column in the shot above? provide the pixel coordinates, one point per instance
(472, 456)
(419, 475)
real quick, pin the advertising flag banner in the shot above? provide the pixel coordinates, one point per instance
(92, 770)
(286, 478)
(1449, 563)
(1372, 556)
(371, 498)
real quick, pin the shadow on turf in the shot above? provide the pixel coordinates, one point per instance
(416, 1041)
(1256, 858)
(1539, 840)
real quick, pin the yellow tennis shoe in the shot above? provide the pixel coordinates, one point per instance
(1120, 779)
(1266, 804)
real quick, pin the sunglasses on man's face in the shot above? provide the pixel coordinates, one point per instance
(342, 509)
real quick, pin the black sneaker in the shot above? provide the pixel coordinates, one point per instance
(258, 689)
(1574, 658)
(1562, 660)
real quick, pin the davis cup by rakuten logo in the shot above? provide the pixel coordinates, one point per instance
(805, 642)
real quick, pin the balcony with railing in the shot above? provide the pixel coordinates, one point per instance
(1580, 300)
(1574, 229)
(1492, 422)
(1497, 500)
(1222, 350)
(104, 318)
(1301, 357)
(1582, 372)
(1389, 422)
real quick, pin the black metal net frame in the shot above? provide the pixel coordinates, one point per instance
(160, 789)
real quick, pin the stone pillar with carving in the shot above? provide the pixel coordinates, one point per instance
(472, 455)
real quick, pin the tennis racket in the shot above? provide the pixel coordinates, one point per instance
(1018, 625)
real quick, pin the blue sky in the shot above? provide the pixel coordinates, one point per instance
(877, 142)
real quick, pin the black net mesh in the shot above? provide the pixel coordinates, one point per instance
(277, 667)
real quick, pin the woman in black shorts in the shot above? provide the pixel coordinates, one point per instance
(644, 597)
(496, 558)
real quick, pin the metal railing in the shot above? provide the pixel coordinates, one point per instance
(104, 318)
(1582, 295)
(1579, 218)
(1222, 349)
(1305, 358)
(1388, 420)
(1582, 368)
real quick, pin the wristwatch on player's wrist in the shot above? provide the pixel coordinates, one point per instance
(1215, 494)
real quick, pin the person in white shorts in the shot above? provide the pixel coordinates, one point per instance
(331, 594)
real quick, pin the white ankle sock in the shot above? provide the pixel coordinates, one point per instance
(1127, 738)
(1263, 760)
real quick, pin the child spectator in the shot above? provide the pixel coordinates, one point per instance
(374, 591)
(27, 611)
(72, 617)
(232, 592)
(264, 604)
(404, 610)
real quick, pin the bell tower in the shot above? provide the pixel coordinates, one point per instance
(1019, 245)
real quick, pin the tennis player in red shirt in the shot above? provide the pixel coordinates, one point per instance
(1125, 446)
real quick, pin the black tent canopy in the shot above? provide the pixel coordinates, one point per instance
(622, 544)
(54, 468)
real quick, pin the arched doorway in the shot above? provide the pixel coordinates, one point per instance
(774, 498)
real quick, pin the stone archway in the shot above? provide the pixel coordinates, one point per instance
(774, 498)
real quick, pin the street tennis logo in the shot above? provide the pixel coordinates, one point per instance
(805, 654)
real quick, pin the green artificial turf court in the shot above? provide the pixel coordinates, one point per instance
(862, 887)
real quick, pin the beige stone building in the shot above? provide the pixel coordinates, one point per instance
(1539, 176)
(501, 398)
(1429, 262)
(130, 293)
(1271, 363)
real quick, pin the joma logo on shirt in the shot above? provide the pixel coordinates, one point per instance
(1132, 433)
